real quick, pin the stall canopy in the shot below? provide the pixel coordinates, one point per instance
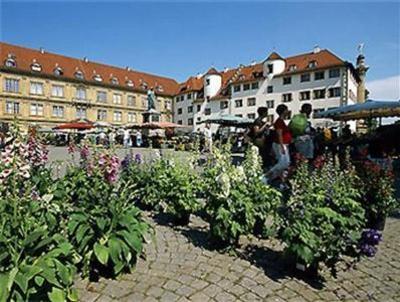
(155, 125)
(228, 120)
(75, 125)
(369, 109)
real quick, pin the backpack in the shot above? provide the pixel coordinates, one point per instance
(298, 125)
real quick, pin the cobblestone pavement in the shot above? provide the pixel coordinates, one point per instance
(181, 267)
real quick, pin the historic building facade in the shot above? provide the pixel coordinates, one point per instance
(318, 77)
(45, 89)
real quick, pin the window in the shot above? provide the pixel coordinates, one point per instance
(144, 101)
(101, 115)
(305, 95)
(11, 85)
(292, 67)
(251, 116)
(334, 73)
(236, 88)
(270, 104)
(207, 111)
(80, 93)
(167, 105)
(58, 71)
(286, 97)
(81, 113)
(320, 75)
(79, 75)
(238, 103)
(318, 110)
(36, 88)
(246, 87)
(251, 101)
(198, 108)
(223, 105)
(12, 107)
(239, 115)
(180, 122)
(254, 85)
(37, 109)
(319, 94)
(288, 115)
(190, 122)
(190, 109)
(101, 96)
(57, 91)
(117, 98)
(182, 98)
(312, 64)
(198, 119)
(207, 99)
(117, 116)
(10, 63)
(129, 83)
(287, 80)
(58, 111)
(270, 68)
(207, 82)
(179, 110)
(334, 92)
(305, 77)
(114, 81)
(131, 117)
(270, 89)
(36, 67)
(131, 101)
(98, 78)
(189, 96)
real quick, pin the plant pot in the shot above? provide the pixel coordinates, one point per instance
(376, 222)
(258, 228)
(310, 270)
(182, 219)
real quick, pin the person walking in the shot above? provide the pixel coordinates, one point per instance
(280, 146)
(301, 129)
(139, 140)
(127, 138)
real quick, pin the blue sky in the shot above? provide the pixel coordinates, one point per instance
(180, 39)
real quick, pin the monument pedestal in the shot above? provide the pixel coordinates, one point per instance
(151, 116)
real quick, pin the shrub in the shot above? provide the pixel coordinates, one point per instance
(322, 218)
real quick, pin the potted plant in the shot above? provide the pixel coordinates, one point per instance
(377, 193)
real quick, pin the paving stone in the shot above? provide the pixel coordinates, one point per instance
(172, 285)
(155, 291)
(199, 297)
(224, 297)
(169, 297)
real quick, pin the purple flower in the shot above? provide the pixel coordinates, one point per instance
(138, 158)
(371, 237)
(368, 250)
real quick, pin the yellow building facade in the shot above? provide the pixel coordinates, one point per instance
(47, 100)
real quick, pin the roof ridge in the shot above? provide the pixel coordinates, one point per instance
(93, 62)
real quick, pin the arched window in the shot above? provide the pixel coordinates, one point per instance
(79, 75)
(114, 81)
(129, 83)
(98, 78)
(58, 71)
(36, 67)
(10, 62)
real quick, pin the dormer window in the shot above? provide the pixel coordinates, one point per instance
(79, 75)
(144, 85)
(129, 83)
(114, 81)
(160, 88)
(292, 67)
(36, 67)
(97, 78)
(312, 64)
(10, 62)
(58, 71)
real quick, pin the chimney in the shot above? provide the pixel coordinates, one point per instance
(253, 63)
(128, 68)
(226, 69)
(85, 59)
(316, 49)
(41, 49)
(199, 75)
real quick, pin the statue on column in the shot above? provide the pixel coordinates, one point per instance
(151, 99)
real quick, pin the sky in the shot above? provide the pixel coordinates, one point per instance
(180, 39)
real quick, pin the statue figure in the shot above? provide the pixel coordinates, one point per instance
(151, 99)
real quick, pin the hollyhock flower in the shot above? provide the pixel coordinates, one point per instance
(138, 158)
(84, 152)
(126, 162)
(71, 148)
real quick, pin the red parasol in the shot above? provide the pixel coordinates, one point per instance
(75, 125)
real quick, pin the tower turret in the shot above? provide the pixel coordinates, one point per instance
(362, 69)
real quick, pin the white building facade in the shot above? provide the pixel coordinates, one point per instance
(319, 78)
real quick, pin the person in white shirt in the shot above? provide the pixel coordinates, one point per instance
(127, 138)
(111, 138)
(102, 138)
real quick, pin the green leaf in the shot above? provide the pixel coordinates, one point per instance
(4, 287)
(39, 280)
(115, 249)
(21, 281)
(73, 295)
(57, 295)
(101, 253)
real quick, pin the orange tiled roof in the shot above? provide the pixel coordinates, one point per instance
(25, 57)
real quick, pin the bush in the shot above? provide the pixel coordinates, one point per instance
(236, 197)
(322, 219)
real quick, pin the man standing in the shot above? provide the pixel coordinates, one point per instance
(208, 137)
(301, 130)
(127, 138)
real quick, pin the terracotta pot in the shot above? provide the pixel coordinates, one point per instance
(182, 219)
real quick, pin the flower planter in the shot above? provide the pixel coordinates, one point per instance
(258, 228)
(310, 270)
(376, 222)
